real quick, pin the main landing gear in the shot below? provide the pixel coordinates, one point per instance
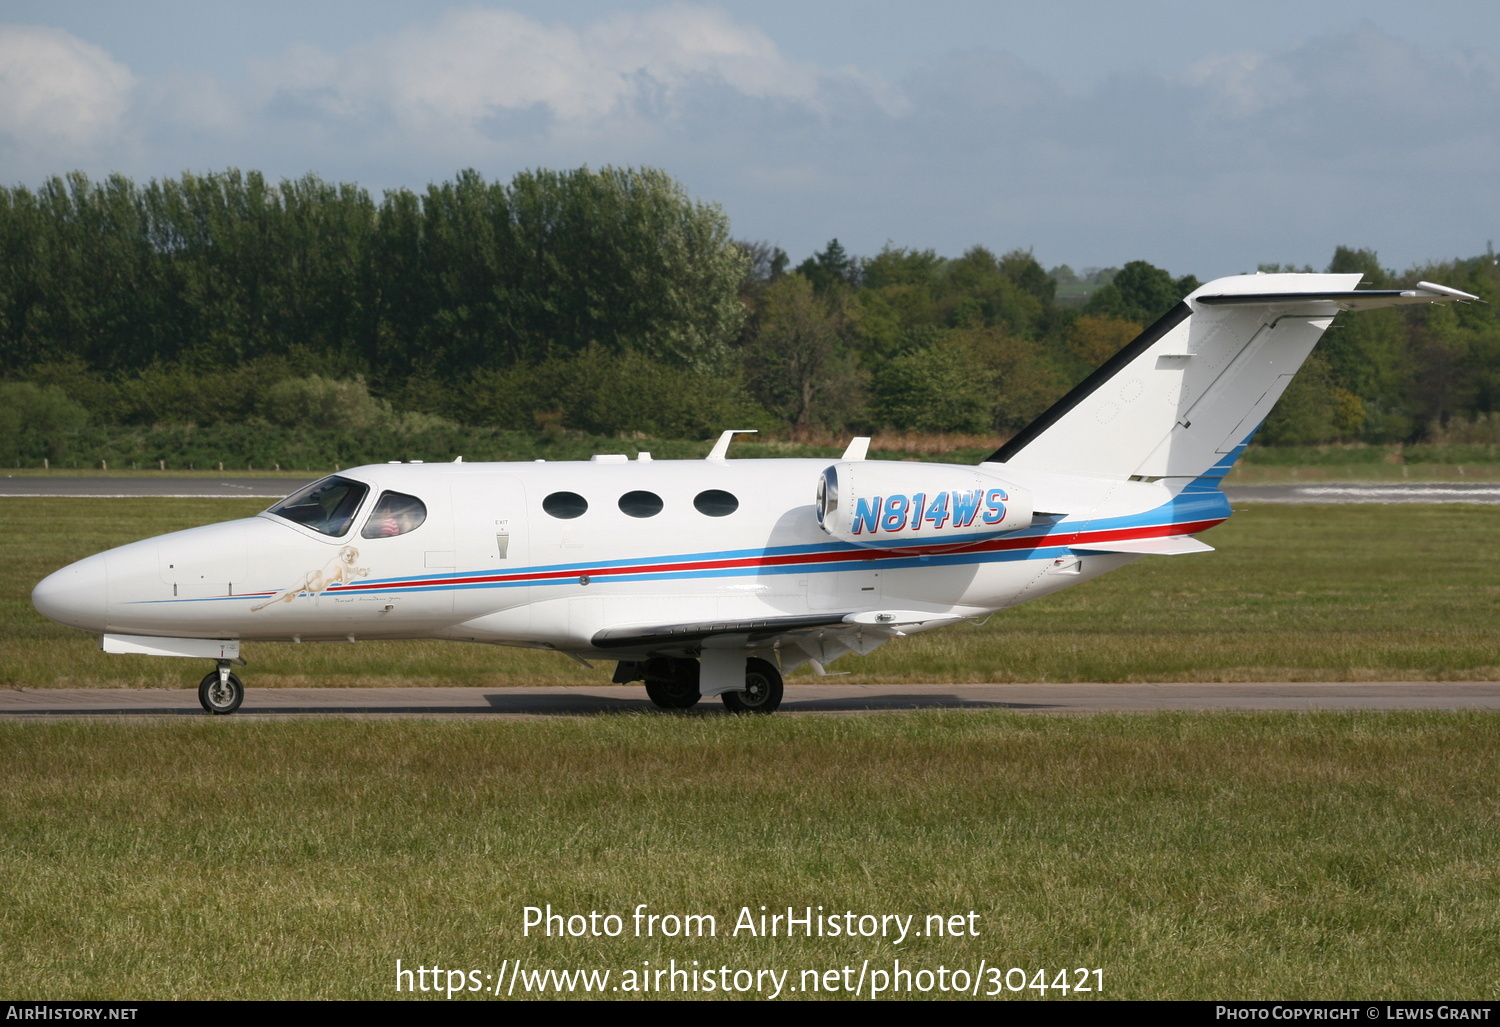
(220, 691)
(762, 692)
(672, 684)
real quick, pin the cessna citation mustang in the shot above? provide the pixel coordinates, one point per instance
(712, 577)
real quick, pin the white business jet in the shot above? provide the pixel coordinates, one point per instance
(716, 577)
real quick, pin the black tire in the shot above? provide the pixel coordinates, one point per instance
(672, 682)
(217, 699)
(762, 692)
(673, 693)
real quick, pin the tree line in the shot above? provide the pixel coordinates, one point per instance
(609, 302)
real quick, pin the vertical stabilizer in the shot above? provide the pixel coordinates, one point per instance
(1183, 398)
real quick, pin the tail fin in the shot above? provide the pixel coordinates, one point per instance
(1183, 399)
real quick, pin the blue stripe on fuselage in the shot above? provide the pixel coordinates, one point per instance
(1190, 506)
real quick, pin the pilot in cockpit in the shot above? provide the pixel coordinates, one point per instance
(395, 514)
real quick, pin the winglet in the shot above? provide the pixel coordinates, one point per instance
(721, 448)
(1446, 291)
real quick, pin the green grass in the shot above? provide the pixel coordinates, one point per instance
(1187, 856)
(1302, 593)
(1246, 473)
(1359, 462)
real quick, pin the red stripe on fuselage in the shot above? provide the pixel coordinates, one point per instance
(1055, 540)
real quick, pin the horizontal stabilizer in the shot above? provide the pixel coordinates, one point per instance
(1176, 545)
(1368, 299)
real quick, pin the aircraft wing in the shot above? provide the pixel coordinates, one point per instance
(764, 629)
(759, 629)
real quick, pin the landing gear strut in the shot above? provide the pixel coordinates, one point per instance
(220, 691)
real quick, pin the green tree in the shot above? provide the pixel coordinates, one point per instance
(830, 268)
(980, 289)
(35, 422)
(1140, 293)
(934, 389)
(1369, 355)
(1314, 409)
(798, 363)
(1022, 380)
(1093, 339)
(897, 310)
(1023, 270)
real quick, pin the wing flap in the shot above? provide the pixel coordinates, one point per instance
(758, 629)
(764, 629)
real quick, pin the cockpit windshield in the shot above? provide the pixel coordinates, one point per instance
(326, 506)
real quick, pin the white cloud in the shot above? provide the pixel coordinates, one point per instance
(59, 94)
(1243, 84)
(472, 66)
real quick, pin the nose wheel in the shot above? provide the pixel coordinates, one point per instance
(220, 691)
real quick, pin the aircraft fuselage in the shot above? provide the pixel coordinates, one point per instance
(654, 543)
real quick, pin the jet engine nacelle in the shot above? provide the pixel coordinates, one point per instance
(884, 504)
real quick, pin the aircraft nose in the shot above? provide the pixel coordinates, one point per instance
(74, 595)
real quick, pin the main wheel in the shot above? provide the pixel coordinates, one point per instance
(672, 684)
(672, 693)
(762, 692)
(220, 697)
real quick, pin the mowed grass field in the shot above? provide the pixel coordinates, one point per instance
(1216, 856)
(1207, 856)
(1298, 593)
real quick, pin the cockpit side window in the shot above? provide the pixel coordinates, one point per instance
(395, 514)
(327, 507)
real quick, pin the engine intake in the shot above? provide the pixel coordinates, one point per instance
(881, 505)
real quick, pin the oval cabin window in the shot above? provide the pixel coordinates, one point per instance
(716, 503)
(395, 514)
(565, 505)
(640, 504)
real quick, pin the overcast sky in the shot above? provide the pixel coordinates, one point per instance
(1205, 137)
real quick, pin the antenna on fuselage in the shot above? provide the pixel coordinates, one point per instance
(721, 448)
(859, 449)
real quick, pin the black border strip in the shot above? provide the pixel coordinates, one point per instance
(1103, 373)
(1250, 299)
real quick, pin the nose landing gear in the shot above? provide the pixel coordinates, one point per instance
(220, 692)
